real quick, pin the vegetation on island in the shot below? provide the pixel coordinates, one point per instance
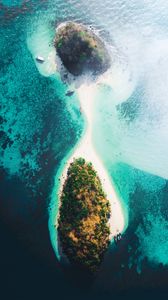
(80, 49)
(83, 219)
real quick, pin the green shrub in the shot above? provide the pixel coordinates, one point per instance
(84, 213)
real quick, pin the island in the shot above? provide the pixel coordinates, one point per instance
(81, 50)
(83, 222)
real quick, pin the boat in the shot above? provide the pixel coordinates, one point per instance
(117, 238)
(40, 59)
(69, 93)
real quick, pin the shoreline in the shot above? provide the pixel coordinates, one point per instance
(85, 149)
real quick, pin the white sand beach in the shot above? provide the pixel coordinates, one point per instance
(86, 150)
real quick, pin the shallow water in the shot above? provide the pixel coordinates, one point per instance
(40, 125)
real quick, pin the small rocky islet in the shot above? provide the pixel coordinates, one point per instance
(81, 50)
(83, 223)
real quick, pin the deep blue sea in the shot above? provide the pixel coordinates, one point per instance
(40, 125)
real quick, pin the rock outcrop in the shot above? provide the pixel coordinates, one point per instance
(81, 50)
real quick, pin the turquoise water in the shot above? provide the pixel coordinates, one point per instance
(111, 129)
(40, 125)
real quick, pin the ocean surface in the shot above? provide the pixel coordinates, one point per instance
(40, 126)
